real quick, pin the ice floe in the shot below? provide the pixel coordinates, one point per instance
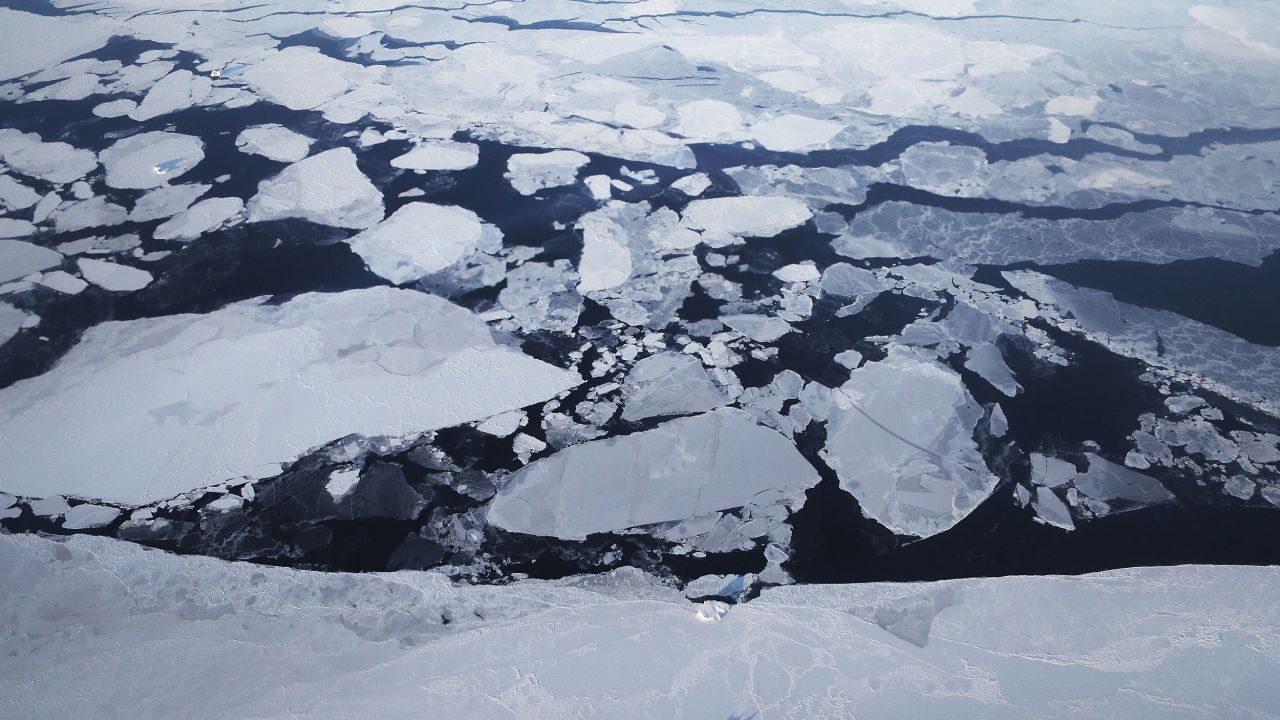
(19, 259)
(900, 438)
(669, 384)
(439, 155)
(151, 159)
(420, 238)
(531, 172)
(751, 216)
(164, 405)
(680, 469)
(327, 188)
(274, 142)
(113, 276)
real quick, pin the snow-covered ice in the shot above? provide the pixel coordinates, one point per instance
(418, 239)
(274, 142)
(151, 159)
(439, 155)
(531, 172)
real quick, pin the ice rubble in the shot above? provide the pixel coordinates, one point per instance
(109, 622)
(274, 142)
(164, 405)
(421, 238)
(681, 469)
(150, 160)
(900, 438)
(327, 188)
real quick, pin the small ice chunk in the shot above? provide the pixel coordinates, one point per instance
(1107, 481)
(88, 517)
(531, 172)
(418, 239)
(606, 256)
(751, 216)
(849, 358)
(998, 425)
(669, 384)
(113, 276)
(761, 328)
(988, 363)
(175, 91)
(150, 159)
(1240, 486)
(166, 201)
(115, 108)
(681, 469)
(1183, 404)
(12, 320)
(341, 481)
(443, 155)
(327, 189)
(19, 259)
(525, 445)
(16, 196)
(1050, 471)
(274, 142)
(601, 186)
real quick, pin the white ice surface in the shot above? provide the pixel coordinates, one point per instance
(681, 469)
(439, 155)
(164, 405)
(101, 628)
(152, 159)
(418, 239)
(205, 216)
(31, 42)
(900, 438)
(669, 384)
(531, 172)
(19, 259)
(749, 216)
(274, 142)
(113, 276)
(327, 189)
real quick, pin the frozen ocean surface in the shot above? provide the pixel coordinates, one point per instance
(669, 358)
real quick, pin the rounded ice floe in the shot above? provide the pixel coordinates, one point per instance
(151, 159)
(164, 405)
(418, 239)
(274, 142)
(327, 188)
(531, 172)
(439, 155)
(113, 276)
(681, 469)
(749, 216)
(900, 439)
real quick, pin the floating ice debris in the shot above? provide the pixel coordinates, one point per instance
(692, 185)
(1052, 510)
(791, 133)
(274, 142)
(167, 404)
(88, 516)
(16, 196)
(12, 320)
(175, 91)
(504, 424)
(901, 440)
(987, 362)
(19, 259)
(150, 159)
(418, 239)
(531, 172)
(113, 276)
(166, 201)
(680, 469)
(606, 254)
(63, 282)
(761, 328)
(439, 155)
(327, 189)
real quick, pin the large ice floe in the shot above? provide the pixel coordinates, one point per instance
(327, 188)
(164, 405)
(103, 628)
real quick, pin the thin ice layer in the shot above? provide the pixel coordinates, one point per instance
(159, 406)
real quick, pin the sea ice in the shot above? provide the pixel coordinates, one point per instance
(750, 216)
(19, 259)
(205, 216)
(680, 469)
(167, 404)
(150, 159)
(531, 172)
(900, 438)
(419, 239)
(327, 189)
(274, 142)
(439, 155)
(669, 384)
(113, 276)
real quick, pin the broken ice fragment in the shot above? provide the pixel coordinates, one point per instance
(327, 188)
(669, 384)
(113, 276)
(419, 239)
(531, 172)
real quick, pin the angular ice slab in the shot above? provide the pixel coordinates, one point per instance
(145, 409)
(531, 172)
(327, 189)
(418, 239)
(98, 622)
(680, 469)
(901, 440)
